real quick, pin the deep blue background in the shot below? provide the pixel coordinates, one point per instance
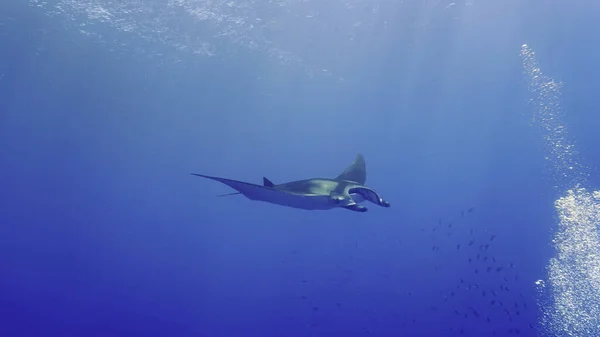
(103, 232)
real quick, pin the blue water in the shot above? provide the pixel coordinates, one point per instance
(104, 232)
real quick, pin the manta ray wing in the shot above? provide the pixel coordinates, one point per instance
(356, 172)
(251, 191)
(273, 195)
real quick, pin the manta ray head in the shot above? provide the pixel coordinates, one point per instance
(362, 193)
(345, 201)
(355, 194)
(340, 199)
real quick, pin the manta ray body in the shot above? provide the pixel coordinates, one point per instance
(347, 190)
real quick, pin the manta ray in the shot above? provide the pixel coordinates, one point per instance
(346, 190)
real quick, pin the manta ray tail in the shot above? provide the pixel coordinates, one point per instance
(228, 194)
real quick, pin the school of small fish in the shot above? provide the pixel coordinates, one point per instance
(484, 294)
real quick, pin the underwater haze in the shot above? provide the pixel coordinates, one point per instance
(477, 120)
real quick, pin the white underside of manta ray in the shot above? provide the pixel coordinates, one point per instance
(347, 190)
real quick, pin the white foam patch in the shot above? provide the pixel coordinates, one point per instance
(575, 271)
(573, 306)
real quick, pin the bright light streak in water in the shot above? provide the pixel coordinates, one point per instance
(572, 306)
